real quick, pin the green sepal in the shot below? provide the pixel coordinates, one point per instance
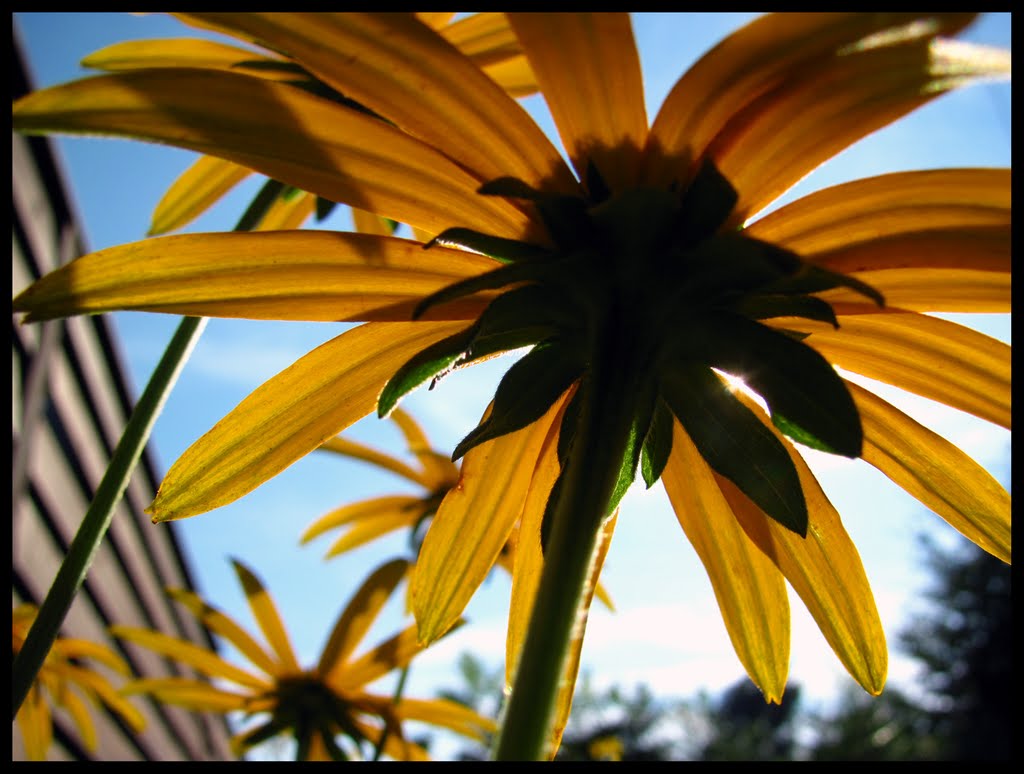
(630, 462)
(548, 519)
(498, 278)
(567, 430)
(706, 205)
(657, 445)
(290, 193)
(510, 188)
(597, 189)
(527, 390)
(424, 365)
(794, 379)
(766, 306)
(735, 443)
(506, 250)
(262, 733)
(324, 207)
(618, 218)
(520, 317)
(730, 263)
(814, 279)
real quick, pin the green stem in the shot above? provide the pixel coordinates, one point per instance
(97, 519)
(395, 699)
(593, 466)
(73, 569)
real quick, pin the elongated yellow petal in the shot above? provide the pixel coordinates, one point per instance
(34, 722)
(473, 524)
(73, 648)
(291, 414)
(186, 52)
(773, 50)
(907, 350)
(267, 618)
(358, 451)
(359, 614)
(823, 568)
(290, 275)
(220, 624)
(589, 72)
(787, 133)
(364, 509)
(406, 72)
(395, 745)
(105, 692)
(368, 223)
(393, 653)
(185, 652)
(438, 469)
(81, 717)
(750, 590)
(935, 290)
(374, 527)
(288, 212)
(936, 472)
(483, 37)
(190, 694)
(825, 221)
(515, 76)
(447, 714)
(284, 132)
(435, 19)
(200, 187)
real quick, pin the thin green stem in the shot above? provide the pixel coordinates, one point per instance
(593, 466)
(395, 699)
(97, 519)
(73, 569)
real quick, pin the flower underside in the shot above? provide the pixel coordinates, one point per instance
(653, 279)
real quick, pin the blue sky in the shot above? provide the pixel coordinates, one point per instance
(667, 631)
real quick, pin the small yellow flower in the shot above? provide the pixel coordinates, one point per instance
(315, 705)
(62, 681)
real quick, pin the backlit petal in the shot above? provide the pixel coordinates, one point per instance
(750, 590)
(293, 413)
(282, 131)
(438, 469)
(359, 614)
(190, 694)
(936, 472)
(199, 188)
(221, 625)
(267, 618)
(376, 526)
(105, 692)
(589, 72)
(83, 720)
(187, 653)
(289, 275)
(36, 727)
(287, 212)
(393, 653)
(358, 451)
(364, 509)
(770, 52)
(184, 52)
(936, 290)
(908, 350)
(72, 648)
(472, 525)
(447, 714)
(409, 74)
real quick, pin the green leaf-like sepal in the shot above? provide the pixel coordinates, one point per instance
(528, 389)
(657, 445)
(324, 207)
(508, 274)
(814, 279)
(764, 307)
(729, 264)
(426, 364)
(706, 205)
(506, 250)
(735, 443)
(511, 188)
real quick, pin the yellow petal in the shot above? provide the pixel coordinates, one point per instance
(220, 624)
(200, 187)
(395, 746)
(908, 350)
(936, 290)
(289, 275)
(269, 620)
(515, 76)
(368, 223)
(749, 588)
(393, 653)
(293, 413)
(885, 206)
(73, 648)
(287, 212)
(435, 19)
(185, 652)
(406, 72)
(439, 470)
(34, 722)
(936, 472)
(359, 614)
(374, 527)
(488, 39)
(184, 52)
(83, 720)
(447, 714)
(824, 569)
(358, 451)
(472, 525)
(589, 72)
(190, 694)
(103, 690)
(775, 49)
(789, 132)
(284, 132)
(364, 509)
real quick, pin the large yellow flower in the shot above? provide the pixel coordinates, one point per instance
(63, 680)
(636, 273)
(315, 705)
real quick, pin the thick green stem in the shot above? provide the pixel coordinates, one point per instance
(593, 467)
(97, 519)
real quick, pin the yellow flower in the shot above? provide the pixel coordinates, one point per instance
(318, 704)
(639, 269)
(61, 681)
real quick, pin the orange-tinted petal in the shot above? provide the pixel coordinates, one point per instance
(267, 618)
